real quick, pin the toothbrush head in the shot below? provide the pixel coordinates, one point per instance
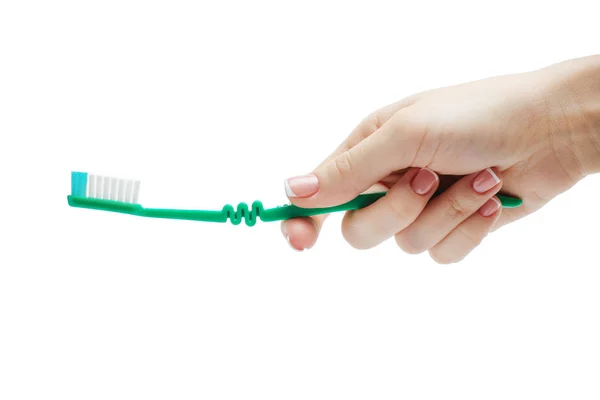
(105, 188)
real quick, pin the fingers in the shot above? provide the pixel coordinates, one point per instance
(370, 226)
(448, 210)
(351, 172)
(302, 233)
(468, 235)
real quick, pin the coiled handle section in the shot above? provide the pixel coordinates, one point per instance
(249, 214)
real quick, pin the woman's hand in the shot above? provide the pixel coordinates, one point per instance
(531, 135)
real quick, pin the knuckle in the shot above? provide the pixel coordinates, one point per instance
(372, 122)
(359, 138)
(401, 211)
(343, 164)
(406, 122)
(366, 128)
(399, 122)
(343, 167)
(403, 208)
(407, 133)
(456, 207)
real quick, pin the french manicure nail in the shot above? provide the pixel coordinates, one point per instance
(287, 238)
(291, 245)
(490, 207)
(302, 186)
(486, 180)
(424, 181)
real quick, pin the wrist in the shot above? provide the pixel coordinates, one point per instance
(572, 112)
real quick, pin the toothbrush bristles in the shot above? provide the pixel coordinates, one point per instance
(106, 188)
(115, 189)
(128, 191)
(136, 192)
(92, 186)
(121, 191)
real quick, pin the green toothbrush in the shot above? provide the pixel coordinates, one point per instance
(121, 196)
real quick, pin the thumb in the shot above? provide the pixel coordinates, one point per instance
(355, 170)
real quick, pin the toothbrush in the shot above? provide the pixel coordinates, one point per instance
(122, 196)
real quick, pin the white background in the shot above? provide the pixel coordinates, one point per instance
(218, 102)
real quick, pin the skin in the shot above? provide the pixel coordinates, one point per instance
(539, 131)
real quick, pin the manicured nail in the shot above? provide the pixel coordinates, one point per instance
(302, 186)
(424, 181)
(486, 180)
(291, 245)
(490, 207)
(287, 238)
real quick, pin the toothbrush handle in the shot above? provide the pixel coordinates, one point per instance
(243, 212)
(509, 201)
(361, 201)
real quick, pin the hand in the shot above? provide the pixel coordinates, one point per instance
(531, 135)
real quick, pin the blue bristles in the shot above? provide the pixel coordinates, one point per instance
(79, 184)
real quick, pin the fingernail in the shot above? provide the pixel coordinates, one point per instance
(424, 181)
(287, 238)
(486, 180)
(490, 207)
(302, 186)
(291, 245)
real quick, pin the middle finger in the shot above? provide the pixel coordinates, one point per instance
(402, 204)
(446, 211)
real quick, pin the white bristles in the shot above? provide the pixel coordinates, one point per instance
(113, 188)
(128, 191)
(121, 192)
(92, 186)
(136, 192)
(108, 188)
(98, 187)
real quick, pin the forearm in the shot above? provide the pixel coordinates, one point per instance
(573, 113)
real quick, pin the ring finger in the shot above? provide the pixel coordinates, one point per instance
(448, 210)
(402, 204)
(468, 235)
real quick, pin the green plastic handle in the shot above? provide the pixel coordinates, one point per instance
(243, 212)
(363, 200)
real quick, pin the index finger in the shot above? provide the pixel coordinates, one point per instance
(353, 171)
(302, 233)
